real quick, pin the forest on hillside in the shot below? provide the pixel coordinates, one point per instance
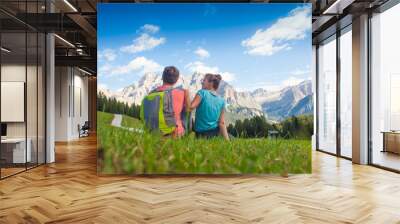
(111, 105)
(299, 127)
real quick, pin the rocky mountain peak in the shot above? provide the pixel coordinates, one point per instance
(149, 79)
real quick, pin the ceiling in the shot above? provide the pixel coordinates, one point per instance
(75, 21)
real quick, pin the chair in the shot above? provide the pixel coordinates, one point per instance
(84, 130)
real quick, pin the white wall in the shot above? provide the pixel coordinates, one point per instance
(50, 93)
(346, 94)
(360, 89)
(71, 94)
(314, 89)
(62, 82)
(80, 110)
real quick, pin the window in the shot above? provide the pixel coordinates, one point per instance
(385, 89)
(22, 76)
(346, 93)
(327, 96)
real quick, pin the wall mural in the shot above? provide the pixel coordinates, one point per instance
(204, 88)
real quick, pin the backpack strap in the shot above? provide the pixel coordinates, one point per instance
(157, 90)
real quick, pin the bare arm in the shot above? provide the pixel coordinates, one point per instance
(195, 103)
(187, 100)
(222, 127)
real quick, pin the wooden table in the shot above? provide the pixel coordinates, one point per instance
(391, 141)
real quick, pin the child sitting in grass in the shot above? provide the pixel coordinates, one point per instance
(180, 98)
(210, 109)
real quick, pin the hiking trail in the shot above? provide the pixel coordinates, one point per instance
(116, 122)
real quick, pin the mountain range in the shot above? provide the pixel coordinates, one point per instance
(289, 101)
(275, 105)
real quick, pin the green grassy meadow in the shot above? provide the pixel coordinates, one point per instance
(128, 152)
(131, 122)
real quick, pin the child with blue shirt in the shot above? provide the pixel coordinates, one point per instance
(210, 109)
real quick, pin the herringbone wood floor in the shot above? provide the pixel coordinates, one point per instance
(69, 191)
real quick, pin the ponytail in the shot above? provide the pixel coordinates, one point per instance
(214, 79)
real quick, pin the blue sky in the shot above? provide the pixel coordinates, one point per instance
(250, 45)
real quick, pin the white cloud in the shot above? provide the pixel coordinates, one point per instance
(200, 67)
(102, 86)
(104, 70)
(144, 42)
(107, 54)
(150, 28)
(291, 81)
(202, 53)
(269, 86)
(275, 86)
(276, 37)
(138, 65)
(298, 72)
(227, 76)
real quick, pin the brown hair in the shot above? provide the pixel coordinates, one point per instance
(214, 79)
(170, 75)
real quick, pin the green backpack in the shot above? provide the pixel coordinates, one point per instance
(156, 111)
